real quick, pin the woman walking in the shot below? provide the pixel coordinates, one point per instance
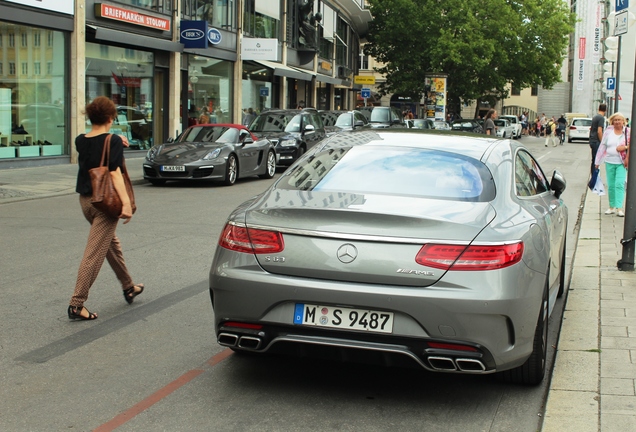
(489, 124)
(102, 241)
(613, 150)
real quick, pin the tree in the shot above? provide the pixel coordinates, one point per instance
(482, 46)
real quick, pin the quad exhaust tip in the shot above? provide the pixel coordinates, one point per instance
(448, 364)
(227, 339)
(245, 342)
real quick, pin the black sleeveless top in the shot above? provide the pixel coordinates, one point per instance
(89, 151)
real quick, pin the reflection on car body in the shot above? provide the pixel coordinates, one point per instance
(438, 249)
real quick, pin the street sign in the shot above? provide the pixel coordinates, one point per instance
(621, 4)
(264, 91)
(363, 79)
(611, 84)
(621, 23)
(365, 93)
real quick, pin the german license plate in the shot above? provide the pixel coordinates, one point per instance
(172, 168)
(343, 318)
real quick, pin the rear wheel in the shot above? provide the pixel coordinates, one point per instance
(270, 168)
(533, 370)
(231, 171)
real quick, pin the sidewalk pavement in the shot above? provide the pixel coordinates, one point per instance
(593, 386)
(594, 378)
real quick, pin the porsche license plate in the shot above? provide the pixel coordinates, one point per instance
(172, 168)
(343, 318)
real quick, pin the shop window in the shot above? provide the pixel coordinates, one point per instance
(126, 76)
(210, 87)
(33, 118)
(161, 6)
(103, 49)
(220, 14)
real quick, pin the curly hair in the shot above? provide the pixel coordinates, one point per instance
(101, 110)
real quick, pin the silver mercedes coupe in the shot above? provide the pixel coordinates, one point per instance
(442, 250)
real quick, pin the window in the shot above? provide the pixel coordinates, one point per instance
(516, 91)
(103, 50)
(535, 91)
(36, 38)
(11, 40)
(25, 39)
(364, 64)
(325, 49)
(161, 6)
(25, 68)
(261, 19)
(1, 68)
(220, 14)
(36, 68)
(529, 179)
(342, 40)
(49, 39)
(49, 68)
(11, 68)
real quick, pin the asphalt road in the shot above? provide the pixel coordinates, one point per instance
(155, 365)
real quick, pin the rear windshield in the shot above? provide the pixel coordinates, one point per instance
(392, 171)
(582, 122)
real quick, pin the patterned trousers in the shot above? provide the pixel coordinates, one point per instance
(102, 243)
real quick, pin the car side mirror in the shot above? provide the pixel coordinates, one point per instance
(558, 183)
(358, 123)
(170, 140)
(309, 128)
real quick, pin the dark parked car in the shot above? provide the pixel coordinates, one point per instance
(224, 152)
(292, 132)
(338, 120)
(381, 117)
(440, 250)
(467, 125)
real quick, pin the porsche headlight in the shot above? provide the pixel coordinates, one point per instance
(287, 142)
(212, 155)
(152, 153)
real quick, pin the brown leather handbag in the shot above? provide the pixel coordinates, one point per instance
(105, 197)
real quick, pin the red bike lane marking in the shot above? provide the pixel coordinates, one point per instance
(160, 394)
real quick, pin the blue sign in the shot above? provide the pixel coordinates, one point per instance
(621, 4)
(365, 93)
(193, 34)
(264, 91)
(214, 36)
(611, 84)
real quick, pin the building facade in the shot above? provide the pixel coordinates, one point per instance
(163, 62)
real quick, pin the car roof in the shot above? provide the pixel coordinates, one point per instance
(468, 144)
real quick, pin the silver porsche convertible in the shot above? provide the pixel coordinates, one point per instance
(445, 251)
(224, 152)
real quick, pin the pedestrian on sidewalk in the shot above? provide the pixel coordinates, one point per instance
(596, 132)
(614, 142)
(102, 240)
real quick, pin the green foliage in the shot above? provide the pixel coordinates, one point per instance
(482, 46)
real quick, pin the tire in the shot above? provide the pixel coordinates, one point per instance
(231, 171)
(569, 140)
(562, 272)
(533, 370)
(270, 168)
(155, 182)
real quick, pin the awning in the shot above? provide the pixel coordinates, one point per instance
(286, 71)
(329, 80)
(110, 35)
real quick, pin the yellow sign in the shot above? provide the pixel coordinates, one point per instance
(363, 79)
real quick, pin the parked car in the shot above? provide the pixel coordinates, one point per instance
(446, 251)
(467, 125)
(420, 123)
(579, 129)
(516, 125)
(441, 125)
(224, 152)
(382, 117)
(292, 132)
(338, 120)
(504, 129)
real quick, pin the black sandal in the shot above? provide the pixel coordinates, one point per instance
(75, 312)
(130, 293)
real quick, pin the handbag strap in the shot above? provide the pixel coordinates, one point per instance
(106, 151)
